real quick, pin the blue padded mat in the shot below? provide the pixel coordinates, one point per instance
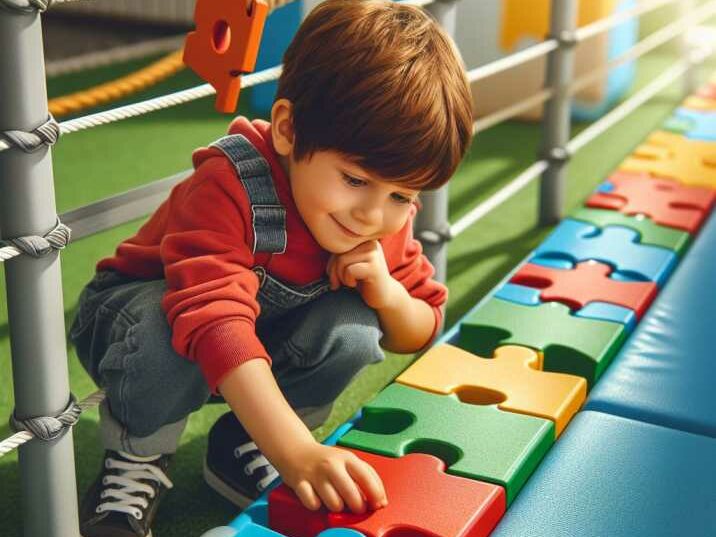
(666, 372)
(610, 476)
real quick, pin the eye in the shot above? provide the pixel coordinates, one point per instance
(352, 181)
(399, 198)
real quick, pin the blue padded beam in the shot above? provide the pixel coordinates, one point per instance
(666, 372)
(610, 476)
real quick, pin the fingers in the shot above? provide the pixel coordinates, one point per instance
(331, 499)
(348, 490)
(307, 495)
(369, 482)
(357, 272)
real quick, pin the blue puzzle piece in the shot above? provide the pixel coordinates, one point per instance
(695, 124)
(609, 312)
(603, 311)
(606, 187)
(573, 241)
(255, 530)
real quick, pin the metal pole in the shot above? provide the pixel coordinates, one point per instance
(34, 286)
(432, 226)
(686, 7)
(560, 67)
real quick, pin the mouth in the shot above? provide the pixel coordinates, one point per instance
(346, 230)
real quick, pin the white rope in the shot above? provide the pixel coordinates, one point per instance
(634, 102)
(511, 111)
(508, 62)
(499, 197)
(157, 103)
(18, 439)
(114, 55)
(654, 40)
(602, 25)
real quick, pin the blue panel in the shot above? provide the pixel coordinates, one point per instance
(666, 372)
(280, 27)
(610, 476)
(614, 245)
(602, 311)
(696, 124)
(621, 38)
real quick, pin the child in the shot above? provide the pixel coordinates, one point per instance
(278, 270)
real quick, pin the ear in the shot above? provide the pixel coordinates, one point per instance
(282, 126)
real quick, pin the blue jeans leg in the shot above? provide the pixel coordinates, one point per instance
(318, 348)
(124, 341)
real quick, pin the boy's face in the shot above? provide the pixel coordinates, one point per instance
(343, 205)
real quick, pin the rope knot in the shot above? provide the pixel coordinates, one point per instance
(46, 134)
(36, 246)
(48, 428)
(27, 6)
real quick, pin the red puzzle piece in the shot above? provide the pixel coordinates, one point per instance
(423, 501)
(667, 202)
(587, 282)
(708, 91)
(225, 45)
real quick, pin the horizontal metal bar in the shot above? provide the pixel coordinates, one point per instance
(120, 209)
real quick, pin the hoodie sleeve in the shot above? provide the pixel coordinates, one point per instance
(210, 300)
(407, 264)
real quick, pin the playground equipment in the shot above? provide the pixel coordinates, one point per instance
(42, 388)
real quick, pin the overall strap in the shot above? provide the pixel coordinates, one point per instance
(268, 216)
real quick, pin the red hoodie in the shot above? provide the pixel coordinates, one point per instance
(200, 240)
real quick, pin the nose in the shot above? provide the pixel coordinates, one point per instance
(368, 213)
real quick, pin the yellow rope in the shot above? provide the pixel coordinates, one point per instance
(116, 89)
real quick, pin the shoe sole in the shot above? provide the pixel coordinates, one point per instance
(228, 492)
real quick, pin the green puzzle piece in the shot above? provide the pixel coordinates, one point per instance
(570, 344)
(651, 233)
(475, 441)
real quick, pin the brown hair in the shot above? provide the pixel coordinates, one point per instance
(381, 83)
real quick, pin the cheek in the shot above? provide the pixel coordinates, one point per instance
(395, 220)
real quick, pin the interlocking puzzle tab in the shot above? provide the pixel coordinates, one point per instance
(587, 282)
(574, 241)
(667, 202)
(423, 501)
(691, 162)
(570, 344)
(478, 441)
(225, 45)
(515, 372)
(651, 233)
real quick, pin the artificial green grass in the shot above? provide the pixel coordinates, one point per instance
(100, 162)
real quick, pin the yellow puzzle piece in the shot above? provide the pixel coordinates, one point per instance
(519, 21)
(691, 162)
(514, 375)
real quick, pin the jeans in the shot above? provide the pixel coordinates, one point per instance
(318, 341)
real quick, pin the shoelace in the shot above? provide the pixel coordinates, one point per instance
(258, 461)
(127, 497)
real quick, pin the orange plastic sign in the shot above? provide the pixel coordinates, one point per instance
(225, 45)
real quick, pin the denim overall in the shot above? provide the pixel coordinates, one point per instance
(318, 339)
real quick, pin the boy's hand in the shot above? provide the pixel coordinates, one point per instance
(364, 268)
(335, 477)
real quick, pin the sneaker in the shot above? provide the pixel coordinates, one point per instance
(234, 466)
(123, 499)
